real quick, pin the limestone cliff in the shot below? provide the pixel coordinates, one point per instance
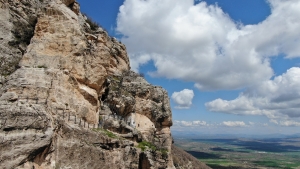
(68, 98)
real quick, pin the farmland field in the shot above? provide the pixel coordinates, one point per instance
(283, 153)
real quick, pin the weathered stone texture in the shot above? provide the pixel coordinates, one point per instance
(129, 94)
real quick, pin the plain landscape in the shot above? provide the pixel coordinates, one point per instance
(228, 152)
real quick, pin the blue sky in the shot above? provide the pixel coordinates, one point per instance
(229, 66)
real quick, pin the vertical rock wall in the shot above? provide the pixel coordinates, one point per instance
(63, 83)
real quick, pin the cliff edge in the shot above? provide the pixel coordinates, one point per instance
(68, 98)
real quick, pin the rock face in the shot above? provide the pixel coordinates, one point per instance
(140, 112)
(68, 98)
(184, 160)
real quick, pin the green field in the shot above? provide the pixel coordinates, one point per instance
(244, 153)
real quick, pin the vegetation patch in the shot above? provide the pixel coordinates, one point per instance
(164, 153)
(125, 93)
(114, 88)
(106, 132)
(278, 164)
(291, 165)
(268, 163)
(110, 134)
(42, 66)
(144, 145)
(219, 163)
(245, 153)
(93, 24)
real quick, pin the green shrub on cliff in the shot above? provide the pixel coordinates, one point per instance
(106, 132)
(144, 144)
(147, 145)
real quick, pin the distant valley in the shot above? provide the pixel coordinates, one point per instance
(230, 152)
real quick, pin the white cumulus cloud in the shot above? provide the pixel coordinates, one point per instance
(290, 123)
(200, 123)
(196, 123)
(202, 44)
(183, 99)
(277, 99)
(286, 123)
(234, 124)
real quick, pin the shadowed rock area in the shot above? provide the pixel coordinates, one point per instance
(68, 98)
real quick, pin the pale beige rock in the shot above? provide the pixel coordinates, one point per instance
(61, 75)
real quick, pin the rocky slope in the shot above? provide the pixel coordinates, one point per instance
(184, 160)
(68, 98)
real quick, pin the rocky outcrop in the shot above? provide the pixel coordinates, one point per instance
(68, 98)
(141, 112)
(184, 160)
